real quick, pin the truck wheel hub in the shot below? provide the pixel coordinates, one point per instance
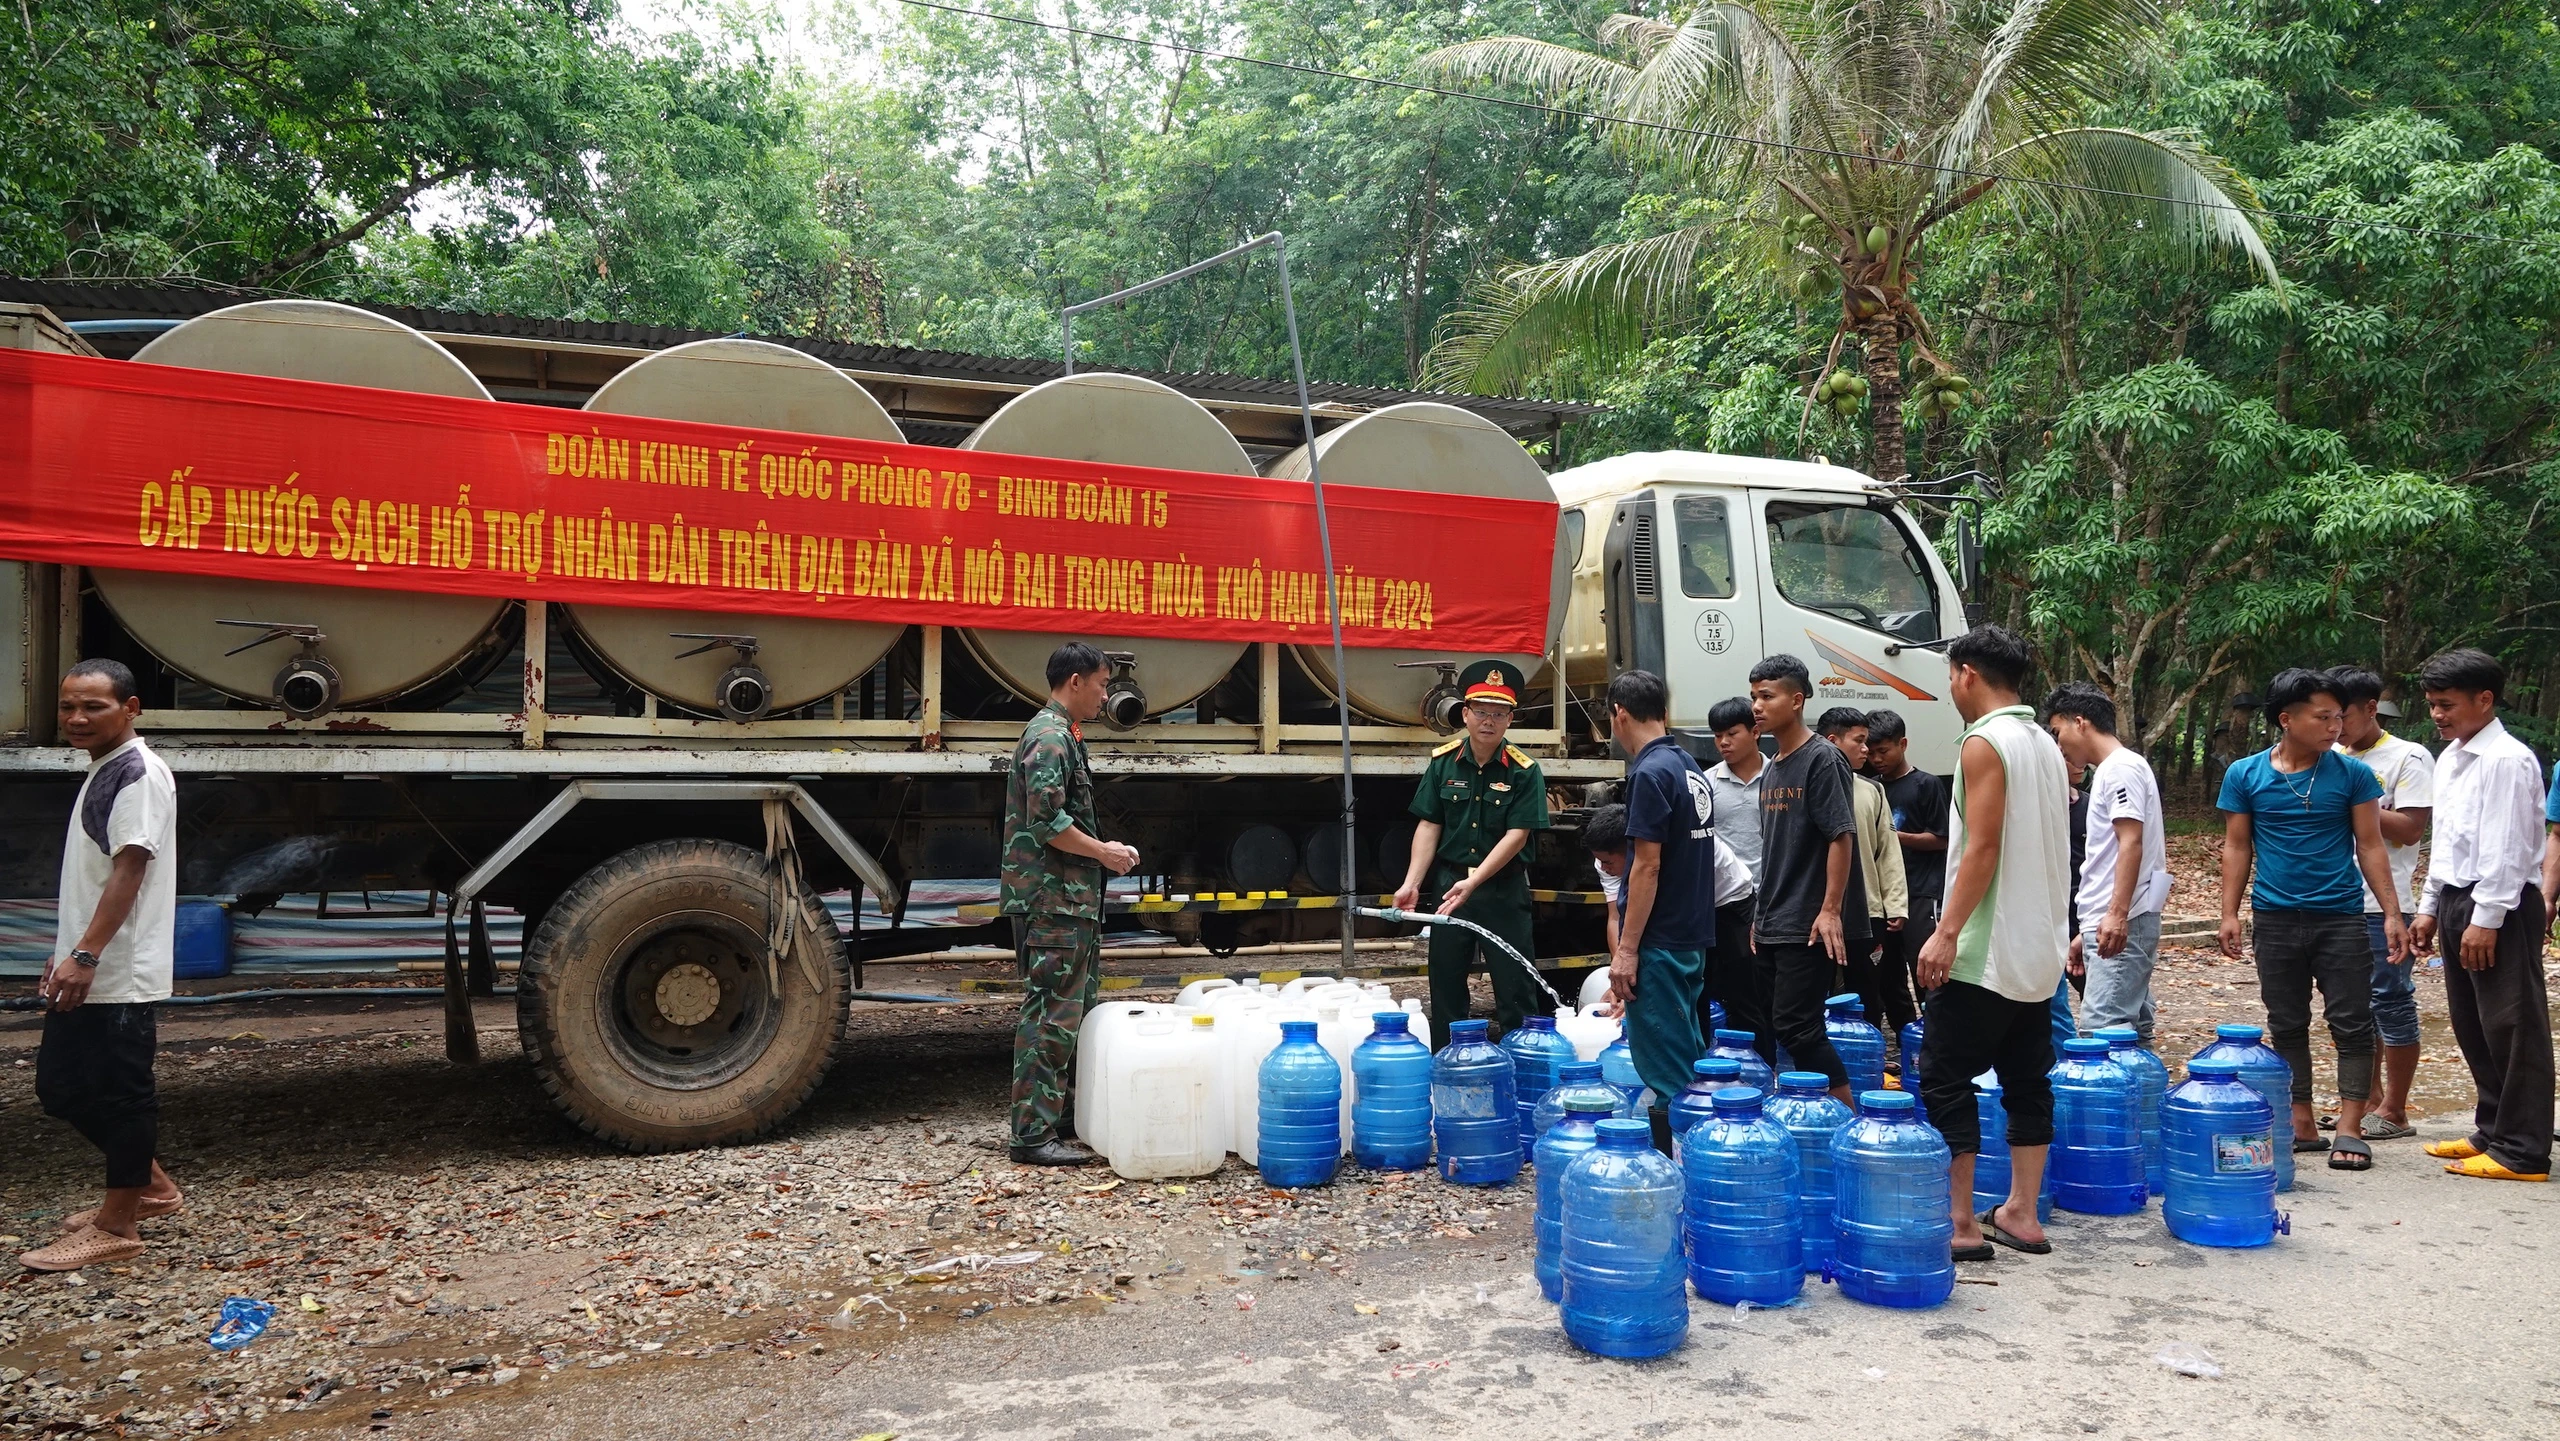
(688, 994)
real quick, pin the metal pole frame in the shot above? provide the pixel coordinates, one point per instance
(1324, 527)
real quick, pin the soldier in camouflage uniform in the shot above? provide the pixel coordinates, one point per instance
(1052, 879)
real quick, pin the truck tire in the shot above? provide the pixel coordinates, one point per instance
(644, 1003)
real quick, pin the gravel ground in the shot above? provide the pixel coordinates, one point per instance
(430, 1235)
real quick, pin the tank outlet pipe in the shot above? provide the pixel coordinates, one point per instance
(1324, 528)
(1124, 701)
(1424, 918)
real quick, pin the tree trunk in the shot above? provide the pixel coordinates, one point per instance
(1883, 362)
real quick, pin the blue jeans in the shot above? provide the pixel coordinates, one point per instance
(2119, 992)
(2395, 989)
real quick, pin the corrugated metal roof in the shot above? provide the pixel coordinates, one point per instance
(83, 300)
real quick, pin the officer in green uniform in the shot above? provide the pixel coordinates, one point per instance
(1479, 800)
(1052, 883)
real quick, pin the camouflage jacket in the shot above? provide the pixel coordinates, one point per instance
(1050, 789)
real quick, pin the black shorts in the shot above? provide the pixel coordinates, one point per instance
(1969, 1029)
(93, 1069)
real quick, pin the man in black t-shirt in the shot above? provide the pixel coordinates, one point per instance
(1669, 920)
(1804, 927)
(1919, 802)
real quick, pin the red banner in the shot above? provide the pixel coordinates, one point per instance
(150, 467)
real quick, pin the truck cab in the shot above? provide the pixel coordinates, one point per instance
(1694, 566)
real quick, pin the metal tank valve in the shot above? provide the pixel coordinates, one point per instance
(1444, 706)
(1124, 701)
(308, 687)
(744, 692)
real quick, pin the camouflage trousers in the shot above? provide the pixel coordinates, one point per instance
(1061, 963)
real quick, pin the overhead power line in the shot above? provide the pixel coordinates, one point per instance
(1560, 112)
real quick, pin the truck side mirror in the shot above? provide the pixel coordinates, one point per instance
(1968, 556)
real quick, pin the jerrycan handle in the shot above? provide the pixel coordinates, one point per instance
(2284, 1223)
(1830, 1276)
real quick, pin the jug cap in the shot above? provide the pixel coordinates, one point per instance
(1577, 1071)
(1388, 1023)
(2119, 1035)
(1733, 1038)
(2239, 1033)
(2219, 1068)
(1467, 1031)
(2084, 1046)
(1539, 1023)
(1596, 1105)
(1736, 1101)
(1846, 1001)
(1802, 1082)
(1203, 1021)
(1297, 1030)
(1620, 1133)
(1885, 1103)
(1717, 1068)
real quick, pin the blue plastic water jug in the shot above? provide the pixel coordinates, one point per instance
(1573, 1133)
(1536, 1049)
(1744, 1215)
(2151, 1083)
(1737, 1046)
(1895, 1229)
(2097, 1132)
(1713, 1074)
(201, 940)
(1391, 1096)
(1860, 1045)
(1812, 1115)
(1474, 1119)
(1618, 1068)
(1991, 1173)
(1301, 1110)
(1914, 1034)
(2221, 1145)
(1577, 1078)
(2265, 1072)
(1624, 1288)
(1715, 1017)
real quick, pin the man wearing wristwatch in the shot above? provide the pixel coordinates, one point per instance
(114, 948)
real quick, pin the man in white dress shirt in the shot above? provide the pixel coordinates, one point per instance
(2481, 898)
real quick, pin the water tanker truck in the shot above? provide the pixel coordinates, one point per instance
(664, 791)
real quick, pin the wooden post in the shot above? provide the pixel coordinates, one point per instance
(929, 691)
(1270, 737)
(537, 664)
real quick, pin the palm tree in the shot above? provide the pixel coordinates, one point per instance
(1842, 132)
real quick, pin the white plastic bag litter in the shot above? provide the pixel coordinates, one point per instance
(2189, 1359)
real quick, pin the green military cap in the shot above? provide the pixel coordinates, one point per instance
(1495, 681)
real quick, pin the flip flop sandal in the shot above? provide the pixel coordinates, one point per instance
(2313, 1144)
(2451, 1150)
(2378, 1129)
(2346, 1153)
(2485, 1169)
(88, 1246)
(1991, 1232)
(1964, 1254)
(2328, 1123)
(147, 1209)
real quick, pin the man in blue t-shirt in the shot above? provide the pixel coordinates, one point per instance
(1669, 916)
(2311, 819)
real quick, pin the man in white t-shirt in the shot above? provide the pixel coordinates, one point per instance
(2408, 775)
(114, 948)
(2124, 875)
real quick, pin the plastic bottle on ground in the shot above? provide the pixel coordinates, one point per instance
(2151, 1082)
(2097, 1132)
(1618, 1068)
(1573, 1133)
(1895, 1229)
(1625, 1292)
(1813, 1116)
(1589, 1034)
(1475, 1120)
(1991, 1171)
(1859, 1044)
(1301, 1110)
(1577, 1078)
(1536, 1050)
(1691, 1106)
(2265, 1072)
(1743, 1213)
(2220, 1140)
(1737, 1045)
(1391, 1118)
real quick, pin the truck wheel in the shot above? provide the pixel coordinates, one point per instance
(644, 1003)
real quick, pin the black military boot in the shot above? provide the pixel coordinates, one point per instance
(1055, 1152)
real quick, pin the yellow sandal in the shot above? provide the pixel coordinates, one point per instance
(2483, 1168)
(2452, 1150)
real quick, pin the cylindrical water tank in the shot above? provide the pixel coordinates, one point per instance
(803, 657)
(383, 643)
(1424, 445)
(1110, 420)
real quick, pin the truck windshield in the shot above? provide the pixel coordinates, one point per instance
(1852, 562)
